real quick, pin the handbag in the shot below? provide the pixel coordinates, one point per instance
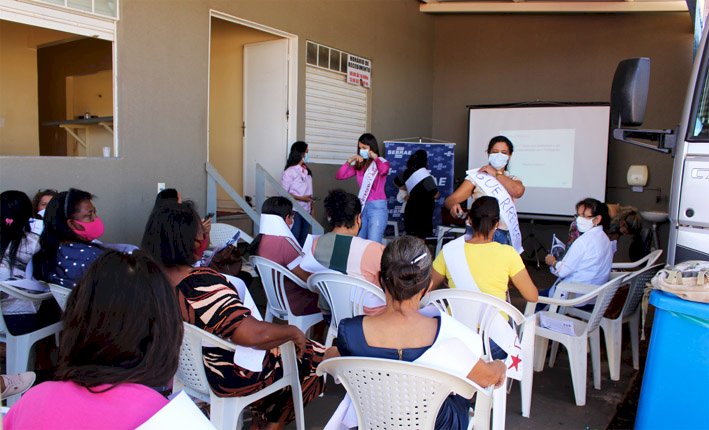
(688, 280)
(229, 259)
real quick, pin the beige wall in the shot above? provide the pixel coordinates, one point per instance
(18, 85)
(162, 95)
(226, 105)
(487, 59)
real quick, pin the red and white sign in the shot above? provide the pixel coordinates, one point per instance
(359, 71)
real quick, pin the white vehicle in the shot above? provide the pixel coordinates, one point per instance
(689, 144)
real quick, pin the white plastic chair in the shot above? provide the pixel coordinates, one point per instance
(222, 233)
(584, 332)
(630, 314)
(618, 269)
(226, 412)
(17, 348)
(476, 310)
(61, 295)
(273, 277)
(390, 394)
(345, 295)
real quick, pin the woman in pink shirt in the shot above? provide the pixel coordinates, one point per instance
(297, 179)
(371, 171)
(122, 335)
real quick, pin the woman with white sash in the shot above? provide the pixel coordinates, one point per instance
(478, 263)
(422, 194)
(401, 332)
(493, 179)
(276, 242)
(371, 171)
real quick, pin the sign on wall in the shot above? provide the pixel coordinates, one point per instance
(359, 71)
(440, 163)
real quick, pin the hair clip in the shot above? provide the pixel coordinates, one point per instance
(8, 221)
(419, 258)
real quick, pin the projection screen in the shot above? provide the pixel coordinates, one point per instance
(560, 152)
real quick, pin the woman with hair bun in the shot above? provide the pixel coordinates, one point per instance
(401, 332)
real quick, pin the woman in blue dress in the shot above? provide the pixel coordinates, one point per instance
(68, 245)
(401, 332)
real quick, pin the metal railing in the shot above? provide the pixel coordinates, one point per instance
(262, 177)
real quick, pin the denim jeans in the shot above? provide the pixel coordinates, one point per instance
(374, 220)
(300, 228)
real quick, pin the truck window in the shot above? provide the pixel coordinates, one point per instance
(698, 128)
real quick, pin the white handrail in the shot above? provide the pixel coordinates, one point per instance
(214, 178)
(262, 176)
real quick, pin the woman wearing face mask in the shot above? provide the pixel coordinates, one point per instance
(371, 171)
(493, 178)
(67, 242)
(588, 260)
(17, 246)
(297, 179)
(174, 237)
(41, 200)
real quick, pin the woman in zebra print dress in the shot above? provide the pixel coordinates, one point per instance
(207, 300)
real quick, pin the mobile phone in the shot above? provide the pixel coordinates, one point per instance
(209, 215)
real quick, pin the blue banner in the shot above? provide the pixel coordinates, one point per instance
(440, 163)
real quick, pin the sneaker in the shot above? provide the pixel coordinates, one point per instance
(17, 384)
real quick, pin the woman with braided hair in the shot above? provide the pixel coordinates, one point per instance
(401, 332)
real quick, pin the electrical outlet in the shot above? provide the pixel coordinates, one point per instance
(161, 186)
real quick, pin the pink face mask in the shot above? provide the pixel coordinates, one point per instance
(203, 245)
(92, 230)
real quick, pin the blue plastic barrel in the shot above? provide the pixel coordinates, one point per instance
(675, 388)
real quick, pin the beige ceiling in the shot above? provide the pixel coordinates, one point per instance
(554, 6)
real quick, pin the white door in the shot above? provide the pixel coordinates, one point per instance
(265, 109)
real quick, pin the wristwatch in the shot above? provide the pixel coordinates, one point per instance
(498, 172)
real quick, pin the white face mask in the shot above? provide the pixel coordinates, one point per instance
(584, 224)
(498, 160)
(41, 213)
(364, 153)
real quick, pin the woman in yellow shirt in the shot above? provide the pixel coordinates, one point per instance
(490, 265)
(478, 264)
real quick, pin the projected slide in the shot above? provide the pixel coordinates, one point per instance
(560, 152)
(544, 158)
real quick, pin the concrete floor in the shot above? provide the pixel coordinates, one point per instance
(553, 405)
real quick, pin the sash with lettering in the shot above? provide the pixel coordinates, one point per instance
(416, 177)
(273, 225)
(508, 212)
(455, 350)
(368, 181)
(500, 331)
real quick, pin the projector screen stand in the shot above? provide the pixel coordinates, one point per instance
(537, 249)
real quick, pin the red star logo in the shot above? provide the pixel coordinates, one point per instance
(515, 362)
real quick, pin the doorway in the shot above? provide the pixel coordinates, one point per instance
(252, 96)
